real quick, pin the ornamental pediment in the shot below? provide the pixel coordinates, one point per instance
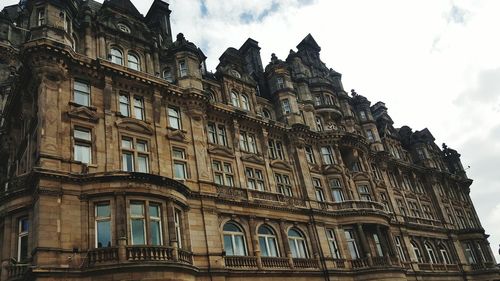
(252, 158)
(360, 177)
(220, 150)
(83, 113)
(331, 169)
(280, 164)
(134, 125)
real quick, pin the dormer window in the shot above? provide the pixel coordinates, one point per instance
(133, 62)
(285, 104)
(362, 115)
(183, 71)
(280, 84)
(266, 113)
(235, 73)
(240, 101)
(123, 28)
(41, 16)
(116, 56)
(167, 75)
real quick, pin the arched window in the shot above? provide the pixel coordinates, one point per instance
(430, 253)
(416, 251)
(235, 73)
(245, 104)
(167, 75)
(211, 96)
(133, 61)
(116, 56)
(234, 240)
(123, 27)
(444, 254)
(297, 244)
(266, 113)
(235, 100)
(267, 241)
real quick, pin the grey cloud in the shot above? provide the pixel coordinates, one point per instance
(487, 89)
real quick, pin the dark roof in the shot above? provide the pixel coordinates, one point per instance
(94, 5)
(309, 43)
(11, 12)
(124, 6)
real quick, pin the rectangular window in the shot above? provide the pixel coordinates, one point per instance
(469, 254)
(284, 185)
(180, 165)
(255, 179)
(248, 142)
(124, 105)
(310, 154)
(223, 173)
(318, 189)
(137, 223)
(138, 108)
(22, 239)
(276, 150)
(399, 248)
(217, 134)
(41, 16)
(183, 71)
(135, 155)
(285, 104)
(385, 201)
(319, 124)
(336, 188)
(280, 83)
(414, 209)
(174, 118)
(421, 153)
(332, 242)
(378, 245)
(102, 225)
(362, 115)
(327, 155)
(82, 145)
(401, 206)
(81, 93)
(351, 244)
(178, 228)
(369, 135)
(427, 212)
(364, 193)
(155, 224)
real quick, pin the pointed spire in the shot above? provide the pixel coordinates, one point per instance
(309, 43)
(124, 6)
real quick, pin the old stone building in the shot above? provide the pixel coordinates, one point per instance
(122, 158)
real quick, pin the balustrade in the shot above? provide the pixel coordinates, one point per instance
(149, 253)
(305, 263)
(102, 255)
(17, 271)
(241, 261)
(275, 262)
(359, 263)
(380, 261)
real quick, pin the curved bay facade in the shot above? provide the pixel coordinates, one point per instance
(122, 158)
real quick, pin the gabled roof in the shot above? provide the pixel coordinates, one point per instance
(124, 6)
(309, 43)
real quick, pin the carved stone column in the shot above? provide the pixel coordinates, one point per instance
(255, 241)
(364, 243)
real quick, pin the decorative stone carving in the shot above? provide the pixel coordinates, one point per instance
(83, 113)
(134, 125)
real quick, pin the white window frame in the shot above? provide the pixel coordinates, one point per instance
(98, 219)
(327, 155)
(174, 117)
(181, 161)
(255, 178)
(81, 90)
(21, 234)
(133, 61)
(81, 144)
(332, 242)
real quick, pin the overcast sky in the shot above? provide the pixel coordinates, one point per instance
(435, 63)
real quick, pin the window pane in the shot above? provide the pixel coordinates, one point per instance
(127, 143)
(228, 245)
(179, 170)
(263, 247)
(155, 233)
(240, 245)
(82, 134)
(23, 248)
(102, 210)
(272, 247)
(142, 164)
(142, 146)
(293, 248)
(82, 153)
(137, 209)
(128, 162)
(103, 234)
(138, 237)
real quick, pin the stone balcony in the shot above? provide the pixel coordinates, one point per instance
(258, 197)
(269, 263)
(330, 111)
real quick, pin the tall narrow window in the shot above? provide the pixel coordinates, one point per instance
(178, 228)
(183, 71)
(167, 75)
(124, 105)
(223, 173)
(41, 16)
(81, 93)
(267, 242)
(283, 184)
(116, 56)
(336, 188)
(364, 193)
(399, 248)
(378, 245)
(248, 142)
(180, 165)
(430, 253)
(174, 117)
(133, 62)
(351, 244)
(234, 241)
(138, 108)
(22, 239)
(137, 223)
(142, 157)
(319, 124)
(103, 225)
(416, 251)
(280, 84)
(318, 189)
(245, 103)
(285, 104)
(327, 155)
(127, 155)
(276, 150)
(444, 255)
(82, 145)
(332, 242)
(310, 154)
(155, 224)
(297, 244)
(235, 100)
(369, 135)
(255, 179)
(469, 253)
(221, 129)
(362, 115)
